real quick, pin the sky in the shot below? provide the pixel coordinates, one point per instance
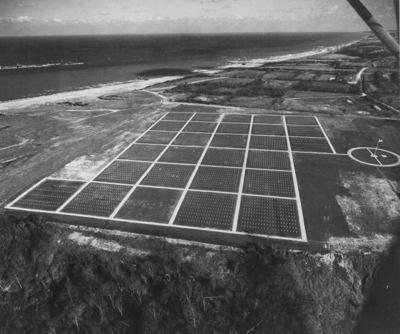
(86, 17)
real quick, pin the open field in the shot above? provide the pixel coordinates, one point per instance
(322, 84)
(179, 151)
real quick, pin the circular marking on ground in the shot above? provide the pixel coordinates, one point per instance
(374, 157)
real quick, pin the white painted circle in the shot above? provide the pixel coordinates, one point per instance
(373, 149)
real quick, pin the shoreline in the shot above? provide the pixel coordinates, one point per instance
(23, 67)
(277, 59)
(117, 87)
(84, 93)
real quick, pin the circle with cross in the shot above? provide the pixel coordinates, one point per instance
(377, 157)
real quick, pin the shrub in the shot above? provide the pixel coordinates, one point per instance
(55, 287)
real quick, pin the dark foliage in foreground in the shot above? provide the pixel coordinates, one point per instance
(52, 286)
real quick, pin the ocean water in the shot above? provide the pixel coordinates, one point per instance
(120, 58)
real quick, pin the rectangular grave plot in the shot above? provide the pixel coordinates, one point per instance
(207, 210)
(168, 126)
(206, 117)
(301, 120)
(305, 131)
(177, 116)
(269, 143)
(224, 157)
(267, 119)
(268, 182)
(168, 175)
(268, 160)
(123, 172)
(269, 216)
(270, 130)
(217, 179)
(49, 195)
(142, 152)
(233, 128)
(234, 141)
(181, 154)
(97, 200)
(192, 139)
(232, 118)
(200, 127)
(150, 205)
(310, 145)
(157, 137)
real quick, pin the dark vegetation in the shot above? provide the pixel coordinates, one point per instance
(110, 97)
(73, 104)
(227, 89)
(232, 89)
(331, 87)
(381, 312)
(371, 53)
(381, 83)
(48, 285)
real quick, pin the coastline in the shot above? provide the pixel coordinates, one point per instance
(17, 67)
(119, 86)
(84, 93)
(277, 59)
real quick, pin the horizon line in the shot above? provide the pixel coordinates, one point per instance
(197, 33)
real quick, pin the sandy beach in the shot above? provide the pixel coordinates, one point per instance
(84, 93)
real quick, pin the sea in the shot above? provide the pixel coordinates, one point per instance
(35, 66)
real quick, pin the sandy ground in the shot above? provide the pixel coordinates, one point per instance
(108, 246)
(84, 94)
